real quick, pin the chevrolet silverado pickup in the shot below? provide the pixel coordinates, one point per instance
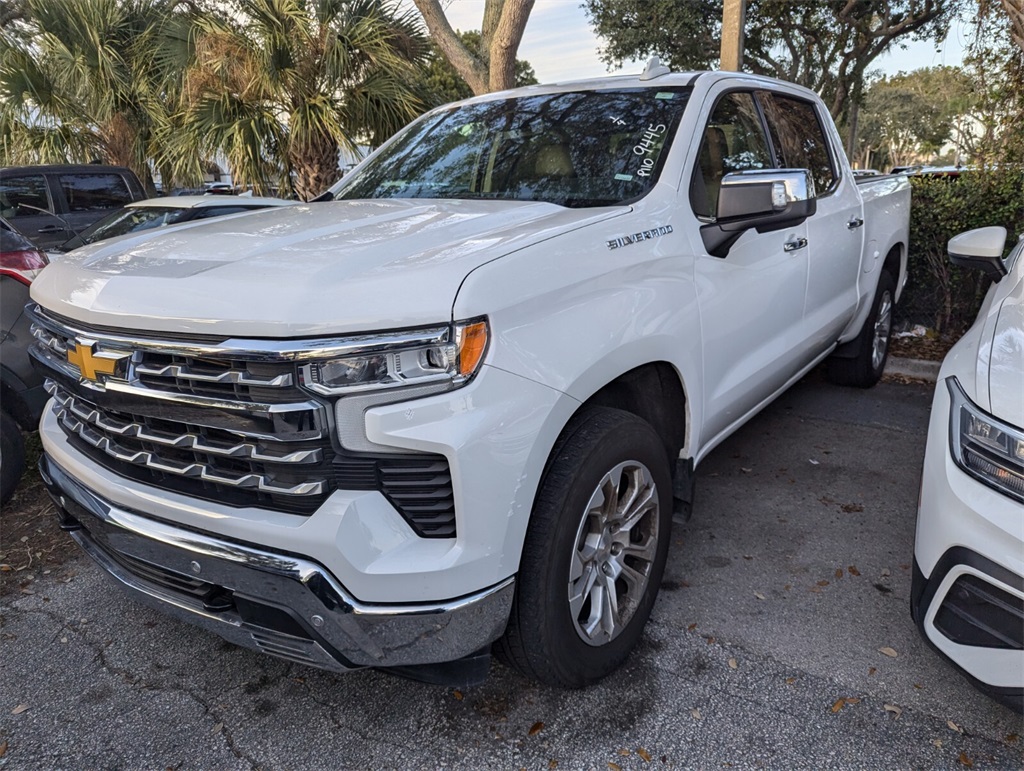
(452, 406)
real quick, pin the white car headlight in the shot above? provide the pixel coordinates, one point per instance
(448, 355)
(987, 448)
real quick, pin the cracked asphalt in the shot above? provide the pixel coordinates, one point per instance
(779, 593)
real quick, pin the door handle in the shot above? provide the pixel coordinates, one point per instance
(52, 229)
(854, 223)
(793, 245)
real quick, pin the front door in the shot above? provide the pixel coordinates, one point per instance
(751, 301)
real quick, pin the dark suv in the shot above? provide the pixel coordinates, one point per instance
(50, 204)
(21, 388)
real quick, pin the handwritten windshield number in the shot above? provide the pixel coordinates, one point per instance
(649, 142)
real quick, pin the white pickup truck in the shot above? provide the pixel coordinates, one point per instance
(457, 401)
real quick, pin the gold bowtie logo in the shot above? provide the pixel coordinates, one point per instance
(90, 364)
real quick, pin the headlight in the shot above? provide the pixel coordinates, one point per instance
(443, 355)
(984, 446)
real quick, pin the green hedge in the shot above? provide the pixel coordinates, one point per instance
(939, 294)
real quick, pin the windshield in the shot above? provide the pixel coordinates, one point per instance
(588, 148)
(127, 220)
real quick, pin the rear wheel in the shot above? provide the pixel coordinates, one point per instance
(12, 456)
(872, 344)
(594, 553)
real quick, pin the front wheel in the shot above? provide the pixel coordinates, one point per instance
(872, 344)
(594, 553)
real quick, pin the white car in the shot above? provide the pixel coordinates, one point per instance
(159, 212)
(968, 589)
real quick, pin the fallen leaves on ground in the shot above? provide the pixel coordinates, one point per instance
(966, 760)
(3, 749)
(696, 713)
(839, 572)
(851, 508)
(691, 627)
(852, 570)
(871, 671)
(552, 764)
(937, 743)
(823, 583)
(790, 680)
(733, 664)
(759, 595)
(891, 653)
(458, 695)
(842, 701)
(643, 754)
(954, 727)
(1012, 738)
(896, 711)
(536, 728)
(217, 728)
(19, 709)
(614, 766)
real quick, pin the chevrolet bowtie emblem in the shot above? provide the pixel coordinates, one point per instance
(90, 364)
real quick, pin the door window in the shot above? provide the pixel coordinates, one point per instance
(94, 192)
(24, 196)
(798, 137)
(733, 140)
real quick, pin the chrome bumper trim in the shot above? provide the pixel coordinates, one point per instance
(286, 606)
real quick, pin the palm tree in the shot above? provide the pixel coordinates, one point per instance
(91, 79)
(278, 86)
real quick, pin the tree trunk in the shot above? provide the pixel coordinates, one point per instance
(507, 36)
(502, 30)
(1015, 10)
(470, 69)
(316, 166)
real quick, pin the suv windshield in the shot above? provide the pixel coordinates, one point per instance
(585, 148)
(125, 221)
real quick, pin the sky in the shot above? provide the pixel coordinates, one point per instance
(560, 44)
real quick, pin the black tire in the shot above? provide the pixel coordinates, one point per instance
(866, 368)
(544, 639)
(12, 456)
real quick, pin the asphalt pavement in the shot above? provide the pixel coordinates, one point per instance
(781, 639)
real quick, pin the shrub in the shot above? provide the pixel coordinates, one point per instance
(939, 294)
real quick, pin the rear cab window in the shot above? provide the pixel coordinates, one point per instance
(574, 149)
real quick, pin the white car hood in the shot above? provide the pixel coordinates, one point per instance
(1006, 361)
(318, 269)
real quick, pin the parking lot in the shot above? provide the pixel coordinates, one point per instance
(781, 639)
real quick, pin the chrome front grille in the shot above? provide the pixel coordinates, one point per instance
(222, 422)
(133, 440)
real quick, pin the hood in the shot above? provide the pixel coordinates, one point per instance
(315, 269)
(1006, 361)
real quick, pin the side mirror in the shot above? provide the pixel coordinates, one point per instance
(766, 200)
(980, 249)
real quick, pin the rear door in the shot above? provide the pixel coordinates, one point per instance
(90, 195)
(751, 301)
(836, 232)
(26, 202)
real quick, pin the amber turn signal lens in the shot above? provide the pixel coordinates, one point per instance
(472, 341)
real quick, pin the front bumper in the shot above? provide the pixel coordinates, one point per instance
(968, 591)
(277, 603)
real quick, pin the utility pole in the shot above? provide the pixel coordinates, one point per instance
(734, 15)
